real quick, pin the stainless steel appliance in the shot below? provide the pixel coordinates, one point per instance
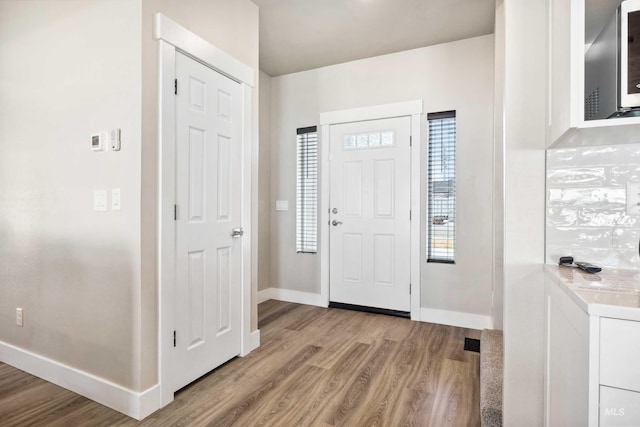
(612, 66)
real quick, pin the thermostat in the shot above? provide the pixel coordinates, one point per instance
(98, 142)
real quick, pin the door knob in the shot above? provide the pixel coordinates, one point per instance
(334, 210)
(336, 223)
(237, 232)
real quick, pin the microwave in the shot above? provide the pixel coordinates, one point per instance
(612, 66)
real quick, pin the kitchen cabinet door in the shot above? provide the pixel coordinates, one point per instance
(564, 76)
(619, 407)
(619, 350)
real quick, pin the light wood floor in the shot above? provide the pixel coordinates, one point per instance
(316, 367)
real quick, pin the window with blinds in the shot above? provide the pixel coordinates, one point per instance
(307, 191)
(441, 209)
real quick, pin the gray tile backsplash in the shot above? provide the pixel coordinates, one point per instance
(586, 205)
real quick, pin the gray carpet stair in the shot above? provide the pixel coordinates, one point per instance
(491, 373)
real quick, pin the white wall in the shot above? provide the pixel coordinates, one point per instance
(498, 171)
(264, 186)
(67, 70)
(524, 141)
(456, 76)
(87, 280)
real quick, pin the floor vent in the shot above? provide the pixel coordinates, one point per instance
(471, 344)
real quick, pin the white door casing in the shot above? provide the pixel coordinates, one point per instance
(370, 207)
(173, 39)
(412, 109)
(208, 258)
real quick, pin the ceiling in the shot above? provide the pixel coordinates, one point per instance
(298, 35)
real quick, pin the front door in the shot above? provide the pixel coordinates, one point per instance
(370, 213)
(208, 188)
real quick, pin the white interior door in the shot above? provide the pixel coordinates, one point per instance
(208, 191)
(369, 213)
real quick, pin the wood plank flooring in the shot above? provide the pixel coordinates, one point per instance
(316, 367)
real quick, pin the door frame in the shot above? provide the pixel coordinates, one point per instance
(172, 38)
(411, 109)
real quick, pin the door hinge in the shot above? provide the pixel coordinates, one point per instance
(174, 338)
(409, 214)
(175, 212)
(409, 288)
(410, 140)
(175, 87)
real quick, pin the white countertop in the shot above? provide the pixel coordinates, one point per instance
(610, 293)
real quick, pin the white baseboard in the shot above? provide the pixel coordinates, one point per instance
(455, 318)
(134, 404)
(255, 339)
(265, 295)
(432, 315)
(149, 401)
(289, 295)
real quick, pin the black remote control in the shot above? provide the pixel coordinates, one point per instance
(589, 268)
(565, 260)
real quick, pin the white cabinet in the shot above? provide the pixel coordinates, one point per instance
(562, 67)
(566, 76)
(619, 372)
(567, 367)
(620, 353)
(619, 407)
(592, 366)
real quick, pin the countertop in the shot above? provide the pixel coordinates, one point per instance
(610, 293)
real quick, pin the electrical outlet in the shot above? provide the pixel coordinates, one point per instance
(633, 198)
(19, 317)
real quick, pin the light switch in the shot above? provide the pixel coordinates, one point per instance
(115, 199)
(282, 205)
(100, 200)
(633, 198)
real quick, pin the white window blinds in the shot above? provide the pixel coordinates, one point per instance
(441, 209)
(307, 191)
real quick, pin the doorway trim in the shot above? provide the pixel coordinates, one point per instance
(412, 109)
(172, 38)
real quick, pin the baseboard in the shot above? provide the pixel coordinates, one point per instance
(149, 401)
(255, 339)
(134, 404)
(455, 318)
(432, 315)
(290, 295)
(265, 295)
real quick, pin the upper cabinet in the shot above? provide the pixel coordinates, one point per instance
(562, 65)
(587, 63)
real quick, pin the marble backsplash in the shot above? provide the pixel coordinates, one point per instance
(586, 205)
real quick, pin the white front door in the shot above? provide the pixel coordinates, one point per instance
(208, 188)
(369, 213)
